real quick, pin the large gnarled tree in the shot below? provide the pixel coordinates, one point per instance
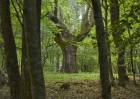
(67, 41)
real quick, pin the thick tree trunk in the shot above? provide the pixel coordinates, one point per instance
(25, 77)
(102, 49)
(33, 47)
(69, 55)
(69, 59)
(10, 50)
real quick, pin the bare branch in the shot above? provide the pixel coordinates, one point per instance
(86, 24)
(17, 13)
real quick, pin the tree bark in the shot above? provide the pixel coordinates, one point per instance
(105, 5)
(31, 21)
(69, 59)
(116, 33)
(25, 76)
(10, 50)
(132, 64)
(57, 60)
(69, 54)
(132, 46)
(121, 68)
(102, 49)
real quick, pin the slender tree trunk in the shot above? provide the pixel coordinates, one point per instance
(55, 8)
(57, 60)
(31, 21)
(52, 55)
(25, 76)
(111, 77)
(102, 49)
(131, 56)
(114, 11)
(132, 46)
(10, 50)
(121, 67)
(108, 42)
(69, 59)
(132, 64)
(3, 61)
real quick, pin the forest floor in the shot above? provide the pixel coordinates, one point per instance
(81, 86)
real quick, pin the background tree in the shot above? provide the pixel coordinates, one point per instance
(67, 41)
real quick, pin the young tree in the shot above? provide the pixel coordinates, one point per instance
(102, 49)
(105, 6)
(31, 14)
(116, 33)
(10, 49)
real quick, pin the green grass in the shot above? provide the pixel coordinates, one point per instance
(62, 77)
(67, 77)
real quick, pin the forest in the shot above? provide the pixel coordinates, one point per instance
(69, 49)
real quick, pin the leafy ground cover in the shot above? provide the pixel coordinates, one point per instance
(80, 86)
